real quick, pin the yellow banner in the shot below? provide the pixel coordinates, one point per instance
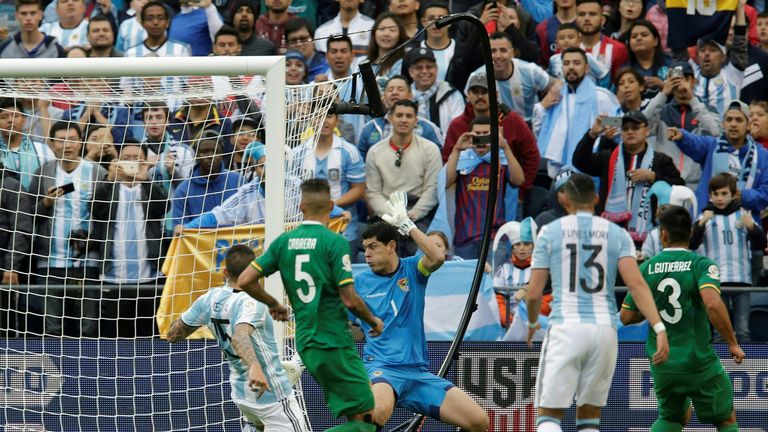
(195, 264)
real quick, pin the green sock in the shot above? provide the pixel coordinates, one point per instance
(353, 426)
(661, 425)
(729, 428)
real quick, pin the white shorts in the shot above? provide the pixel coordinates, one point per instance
(577, 360)
(283, 416)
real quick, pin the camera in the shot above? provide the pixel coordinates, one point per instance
(676, 72)
(481, 140)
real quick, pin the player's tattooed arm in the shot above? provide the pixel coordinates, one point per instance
(241, 341)
(179, 331)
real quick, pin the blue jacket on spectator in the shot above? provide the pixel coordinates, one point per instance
(198, 195)
(702, 148)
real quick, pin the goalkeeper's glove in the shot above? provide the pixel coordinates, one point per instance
(398, 215)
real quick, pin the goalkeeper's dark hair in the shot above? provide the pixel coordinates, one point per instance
(580, 189)
(676, 221)
(382, 232)
(315, 196)
(65, 126)
(238, 258)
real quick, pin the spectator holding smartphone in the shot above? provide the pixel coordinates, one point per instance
(64, 189)
(469, 168)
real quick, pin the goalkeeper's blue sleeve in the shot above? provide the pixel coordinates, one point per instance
(205, 220)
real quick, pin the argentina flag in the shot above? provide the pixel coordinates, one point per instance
(701, 19)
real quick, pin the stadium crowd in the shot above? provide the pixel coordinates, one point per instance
(584, 85)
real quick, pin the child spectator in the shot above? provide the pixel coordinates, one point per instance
(514, 274)
(568, 35)
(762, 29)
(728, 234)
(442, 242)
(663, 194)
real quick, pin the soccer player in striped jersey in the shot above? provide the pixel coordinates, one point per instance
(394, 288)
(686, 289)
(316, 271)
(582, 254)
(727, 233)
(243, 328)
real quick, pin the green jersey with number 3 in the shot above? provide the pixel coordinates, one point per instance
(314, 263)
(675, 277)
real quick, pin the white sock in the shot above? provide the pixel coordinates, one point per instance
(548, 426)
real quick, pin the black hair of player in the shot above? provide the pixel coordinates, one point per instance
(580, 189)
(676, 221)
(238, 258)
(315, 196)
(382, 232)
(65, 126)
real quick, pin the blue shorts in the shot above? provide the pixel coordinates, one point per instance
(416, 389)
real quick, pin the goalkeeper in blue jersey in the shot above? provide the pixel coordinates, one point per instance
(261, 388)
(396, 362)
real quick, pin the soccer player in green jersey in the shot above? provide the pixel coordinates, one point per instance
(686, 289)
(316, 271)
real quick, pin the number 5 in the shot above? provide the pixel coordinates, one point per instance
(302, 276)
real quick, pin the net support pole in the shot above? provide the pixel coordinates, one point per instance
(274, 223)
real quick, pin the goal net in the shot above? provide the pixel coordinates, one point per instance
(123, 184)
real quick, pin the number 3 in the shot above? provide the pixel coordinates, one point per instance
(673, 300)
(302, 276)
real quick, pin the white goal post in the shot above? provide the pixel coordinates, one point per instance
(272, 67)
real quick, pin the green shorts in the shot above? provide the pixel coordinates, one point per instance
(710, 391)
(341, 375)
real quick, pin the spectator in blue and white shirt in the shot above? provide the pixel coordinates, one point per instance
(719, 77)
(336, 160)
(519, 83)
(131, 32)
(64, 190)
(348, 21)
(155, 19)
(128, 215)
(20, 153)
(71, 28)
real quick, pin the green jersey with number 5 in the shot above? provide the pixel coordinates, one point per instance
(675, 277)
(314, 263)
